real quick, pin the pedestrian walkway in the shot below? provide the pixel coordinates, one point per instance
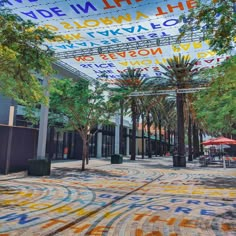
(137, 198)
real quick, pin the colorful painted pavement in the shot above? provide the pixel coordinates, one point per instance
(141, 198)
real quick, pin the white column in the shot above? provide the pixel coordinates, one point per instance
(117, 134)
(11, 116)
(43, 125)
(127, 143)
(99, 142)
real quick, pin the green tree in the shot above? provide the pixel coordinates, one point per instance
(216, 19)
(179, 74)
(216, 106)
(80, 107)
(132, 81)
(22, 56)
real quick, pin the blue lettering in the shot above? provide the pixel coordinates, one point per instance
(135, 198)
(207, 212)
(158, 208)
(215, 203)
(82, 44)
(183, 209)
(154, 35)
(131, 39)
(22, 218)
(30, 14)
(104, 33)
(135, 205)
(85, 9)
(155, 26)
(129, 30)
(57, 11)
(105, 196)
(141, 37)
(10, 3)
(115, 40)
(45, 13)
(171, 22)
(193, 202)
(115, 32)
(140, 28)
(91, 34)
(94, 44)
(175, 200)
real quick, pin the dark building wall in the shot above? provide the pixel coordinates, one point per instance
(5, 104)
(17, 144)
(4, 109)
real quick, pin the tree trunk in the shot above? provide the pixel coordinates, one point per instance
(165, 143)
(87, 154)
(169, 137)
(149, 135)
(160, 143)
(142, 136)
(190, 150)
(180, 130)
(201, 140)
(133, 146)
(84, 154)
(195, 142)
(121, 126)
(156, 146)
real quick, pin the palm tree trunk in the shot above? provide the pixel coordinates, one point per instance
(165, 143)
(195, 142)
(180, 130)
(190, 156)
(156, 146)
(149, 135)
(142, 136)
(201, 140)
(121, 126)
(169, 136)
(160, 143)
(133, 146)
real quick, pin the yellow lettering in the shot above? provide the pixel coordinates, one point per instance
(110, 215)
(120, 19)
(62, 209)
(66, 25)
(140, 14)
(91, 23)
(197, 45)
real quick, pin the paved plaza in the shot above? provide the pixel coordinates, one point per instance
(137, 198)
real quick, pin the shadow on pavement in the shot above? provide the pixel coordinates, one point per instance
(219, 182)
(62, 172)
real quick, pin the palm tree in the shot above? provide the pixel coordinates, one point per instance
(179, 74)
(132, 81)
(164, 115)
(146, 105)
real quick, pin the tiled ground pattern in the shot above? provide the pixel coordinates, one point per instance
(142, 198)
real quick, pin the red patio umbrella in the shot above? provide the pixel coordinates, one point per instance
(223, 140)
(218, 141)
(208, 142)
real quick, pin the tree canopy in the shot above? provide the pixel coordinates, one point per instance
(216, 106)
(80, 107)
(22, 56)
(216, 19)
